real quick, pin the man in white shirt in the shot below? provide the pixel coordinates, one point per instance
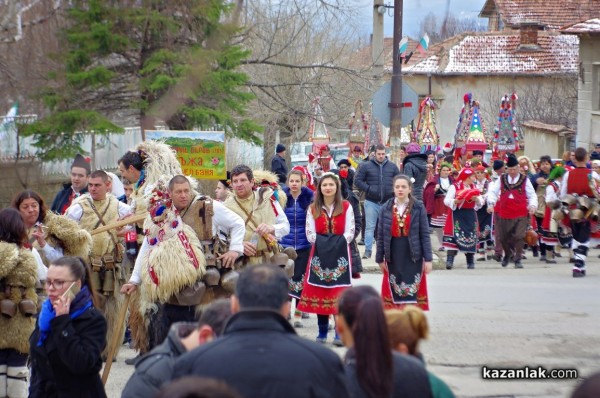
(513, 199)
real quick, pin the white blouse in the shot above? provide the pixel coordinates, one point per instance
(311, 233)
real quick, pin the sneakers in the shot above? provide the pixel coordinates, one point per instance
(518, 264)
(337, 341)
(543, 257)
(366, 255)
(321, 340)
(578, 273)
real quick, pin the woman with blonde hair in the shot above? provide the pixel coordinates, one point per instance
(406, 328)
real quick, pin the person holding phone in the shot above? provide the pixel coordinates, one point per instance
(70, 334)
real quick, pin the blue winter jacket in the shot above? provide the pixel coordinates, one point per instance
(295, 211)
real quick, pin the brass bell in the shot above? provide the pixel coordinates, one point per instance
(289, 268)
(229, 280)
(108, 285)
(554, 204)
(558, 214)
(595, 215)
(95, 280)
(291, 253)
(279, 259)
(27, 307)
(585, 203)
(576, 215)
(212, 276)
(8, 308)
(568, 200)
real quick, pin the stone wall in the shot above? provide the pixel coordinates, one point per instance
(26, 174)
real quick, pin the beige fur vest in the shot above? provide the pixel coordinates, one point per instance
(18, 269)
(263, 213)
(102, 243)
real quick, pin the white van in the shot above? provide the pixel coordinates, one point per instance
(299, 153)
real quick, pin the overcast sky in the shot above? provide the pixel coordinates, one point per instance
(416, 10)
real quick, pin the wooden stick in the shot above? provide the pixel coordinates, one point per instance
(117, 339)
(121, 223)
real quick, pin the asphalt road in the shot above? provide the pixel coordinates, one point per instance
(496, 317)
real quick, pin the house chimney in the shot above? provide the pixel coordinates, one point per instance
(529, 34)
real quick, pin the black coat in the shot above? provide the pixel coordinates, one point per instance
(415, 166)
(279, 167)
(156, 367)
(410, 378)
(375, 180)
(69, 362)
(260, 355)
(62, 197)
(419, 238)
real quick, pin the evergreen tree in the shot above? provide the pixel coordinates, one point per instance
(172, 61)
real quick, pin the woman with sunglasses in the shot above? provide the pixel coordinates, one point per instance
(18, 303)
(69, 337)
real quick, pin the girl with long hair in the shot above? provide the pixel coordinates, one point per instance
(66, 345)
(18, 303)
(330, 228)
(372, 369)
(404, 247)
(433, 198)
(299, 198)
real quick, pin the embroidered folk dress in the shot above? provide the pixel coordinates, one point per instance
(329, 267)
(461, 230)
(483, 217)
(549, 225)
(405, 283)
(440, 211)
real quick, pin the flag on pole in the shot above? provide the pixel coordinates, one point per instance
(8, 120)
(403, 46)
(423, 43)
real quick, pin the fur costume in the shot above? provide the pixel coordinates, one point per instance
(64, 233)
(265, 178)
(104, 244)
(18, 269)
(175, 259)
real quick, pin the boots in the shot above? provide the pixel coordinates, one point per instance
(470, 262)
(550, 256)
(481, 254)
(16, 381)
(450, 259)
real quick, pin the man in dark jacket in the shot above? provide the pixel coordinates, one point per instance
(278, 165)
(259, 354)
(374, 178)
(415, 166)
(156, 368)
(80, 173)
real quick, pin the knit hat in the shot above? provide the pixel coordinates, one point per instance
(512, 161)
(465, 173)
(280, 148)
(82, 162)
(357, 149)
(447, 147)
(498, 164)
(344, 161)
(413, 147)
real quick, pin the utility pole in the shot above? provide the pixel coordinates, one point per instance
(377, 55)
(396, 97)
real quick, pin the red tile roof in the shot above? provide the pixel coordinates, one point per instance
(500, 53)
(552, 14)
